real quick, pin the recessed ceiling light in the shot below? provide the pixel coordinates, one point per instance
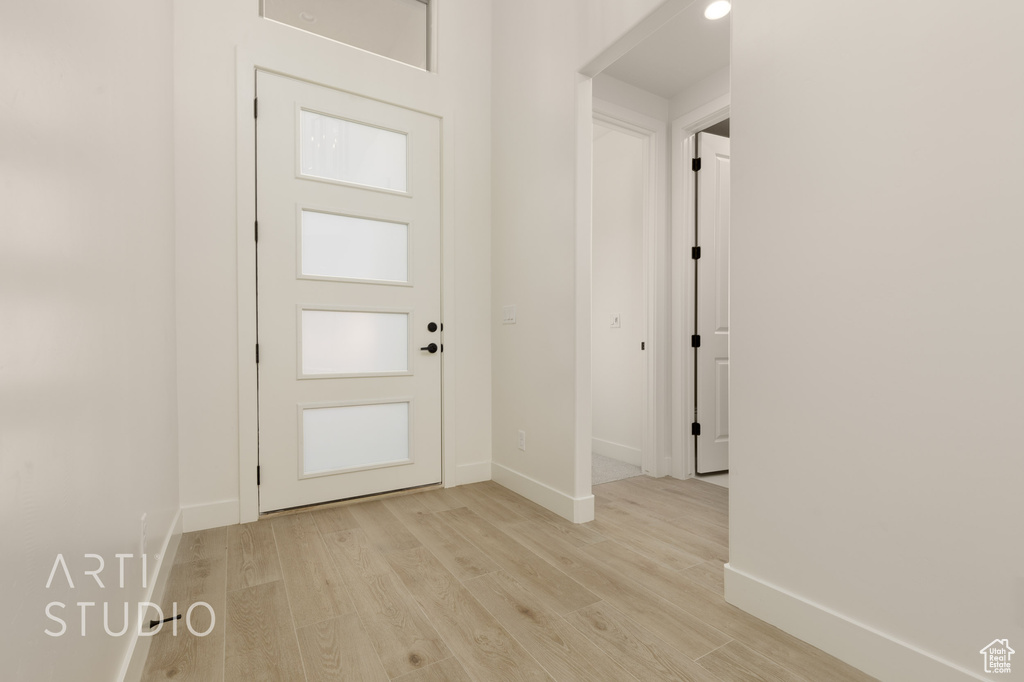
(718, 9)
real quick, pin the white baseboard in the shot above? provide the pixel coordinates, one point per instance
(623, 453)
(138, 647)
(863, 647)
(575, 509)
(475, 472)
(213, 515)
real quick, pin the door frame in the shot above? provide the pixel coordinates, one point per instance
(368, 76)
(684, 234)
(653, 132)
(583, 428)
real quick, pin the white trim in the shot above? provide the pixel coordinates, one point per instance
(134, 663)
(583, 265)
(474, 472)
(876, 653)
(655, 237)
(683, 235)
(575, 509)
(212, 515)
(623, 453)
(636, 35)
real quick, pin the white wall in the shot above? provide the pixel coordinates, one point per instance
(206, 38)
(618, 288)
(876, 467)
(620, 93)
(534, 263)
(87, 357)
(533, 185)
(700, 93)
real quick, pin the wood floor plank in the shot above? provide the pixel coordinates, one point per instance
(709, 575)
(462, 558)
(682, 629)
(209, 544)
(638, 649)
(338, 649)
(653, 557)
(406, 505)
(261, 644)
(439, 500)
(642, 543)
(448, 670)
(786, 650)
(697, 489)
(175, 653)
(668, 531)
(486, 506)
(252, 555)
(316, 591)
(737, 663)
(678, 494)
(403, 639)
(382, 527)
(531, 511)
(557, 589)
(563, 651)
(693, 517)
(482, 645)
(334, 519)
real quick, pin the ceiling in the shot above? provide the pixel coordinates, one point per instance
(684, 51)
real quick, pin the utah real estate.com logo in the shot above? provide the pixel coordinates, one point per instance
(997, 656)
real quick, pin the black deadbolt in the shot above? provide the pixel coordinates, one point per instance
(432, 327)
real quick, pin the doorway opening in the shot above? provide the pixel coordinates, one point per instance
(624, 210)
(672, 69)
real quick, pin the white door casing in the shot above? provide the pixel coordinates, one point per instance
(349, 278)
(713, 304)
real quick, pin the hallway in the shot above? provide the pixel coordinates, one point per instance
(477, 583)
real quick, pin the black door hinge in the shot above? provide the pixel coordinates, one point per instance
(695, 341)
(257, 353)
(643, 345)
(695, 252)
(695, 429)
(256, 229)
(257, 474)
(695, 165)
(442, 347)
(255, 107)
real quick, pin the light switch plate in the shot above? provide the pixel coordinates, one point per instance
(616, 320)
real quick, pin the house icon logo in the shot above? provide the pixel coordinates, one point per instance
(997, 656)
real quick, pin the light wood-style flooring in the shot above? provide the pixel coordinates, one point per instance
(477, 583)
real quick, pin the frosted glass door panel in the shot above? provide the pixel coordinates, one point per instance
(345, 342)
(341, 150)
(356, 436)
(354, 248)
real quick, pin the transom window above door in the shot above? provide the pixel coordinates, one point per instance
(396, 29)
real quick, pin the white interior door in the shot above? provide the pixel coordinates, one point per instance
(349, 295)
(713, 304)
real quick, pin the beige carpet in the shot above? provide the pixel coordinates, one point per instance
(605, 470)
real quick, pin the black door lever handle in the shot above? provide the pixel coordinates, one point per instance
(432, 348)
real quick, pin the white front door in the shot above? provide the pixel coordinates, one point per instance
(713, 304)
(349, 295)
